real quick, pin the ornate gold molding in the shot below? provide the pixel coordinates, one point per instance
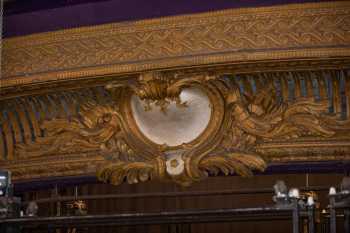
(255, 120)
(312, 30)
(256, 68)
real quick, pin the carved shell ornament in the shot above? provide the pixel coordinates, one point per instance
(181, 129)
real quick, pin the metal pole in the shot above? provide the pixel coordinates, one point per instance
(311, 219)
(333, 215)
(347, 220)
(295, 215)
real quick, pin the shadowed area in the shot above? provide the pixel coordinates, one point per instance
(35, 16)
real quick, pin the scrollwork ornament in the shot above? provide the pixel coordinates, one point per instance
(226, 146)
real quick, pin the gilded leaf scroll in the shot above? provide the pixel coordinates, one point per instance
(95, 128)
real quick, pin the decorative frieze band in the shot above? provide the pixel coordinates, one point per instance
(314, 30)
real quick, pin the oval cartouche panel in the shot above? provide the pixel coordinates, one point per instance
(177, 124)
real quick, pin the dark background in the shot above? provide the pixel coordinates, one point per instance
(23, 17)
(157, 204)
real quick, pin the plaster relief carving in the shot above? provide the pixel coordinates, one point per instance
(221, 124)
(95, 128)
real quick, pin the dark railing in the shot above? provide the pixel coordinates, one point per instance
(273, 213)
(57, 198)
(297, 213)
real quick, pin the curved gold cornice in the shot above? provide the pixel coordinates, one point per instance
(255, 120)
(58, 120)
(297, 31)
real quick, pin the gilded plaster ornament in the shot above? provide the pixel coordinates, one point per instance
(218, 137)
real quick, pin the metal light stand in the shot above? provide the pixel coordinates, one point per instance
(9, 205)
(296, 215)
(302, 204)
(339, 201)
(311, 218)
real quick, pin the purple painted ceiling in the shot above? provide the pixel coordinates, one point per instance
(23, 17)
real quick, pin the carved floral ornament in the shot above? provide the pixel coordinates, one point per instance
(182, 129)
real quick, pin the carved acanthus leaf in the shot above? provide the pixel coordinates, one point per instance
(133, 172)
(239, 163)
(267, 119)
(97, 127)
(157, 88)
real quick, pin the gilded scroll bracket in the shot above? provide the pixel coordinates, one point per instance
(232, 141)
